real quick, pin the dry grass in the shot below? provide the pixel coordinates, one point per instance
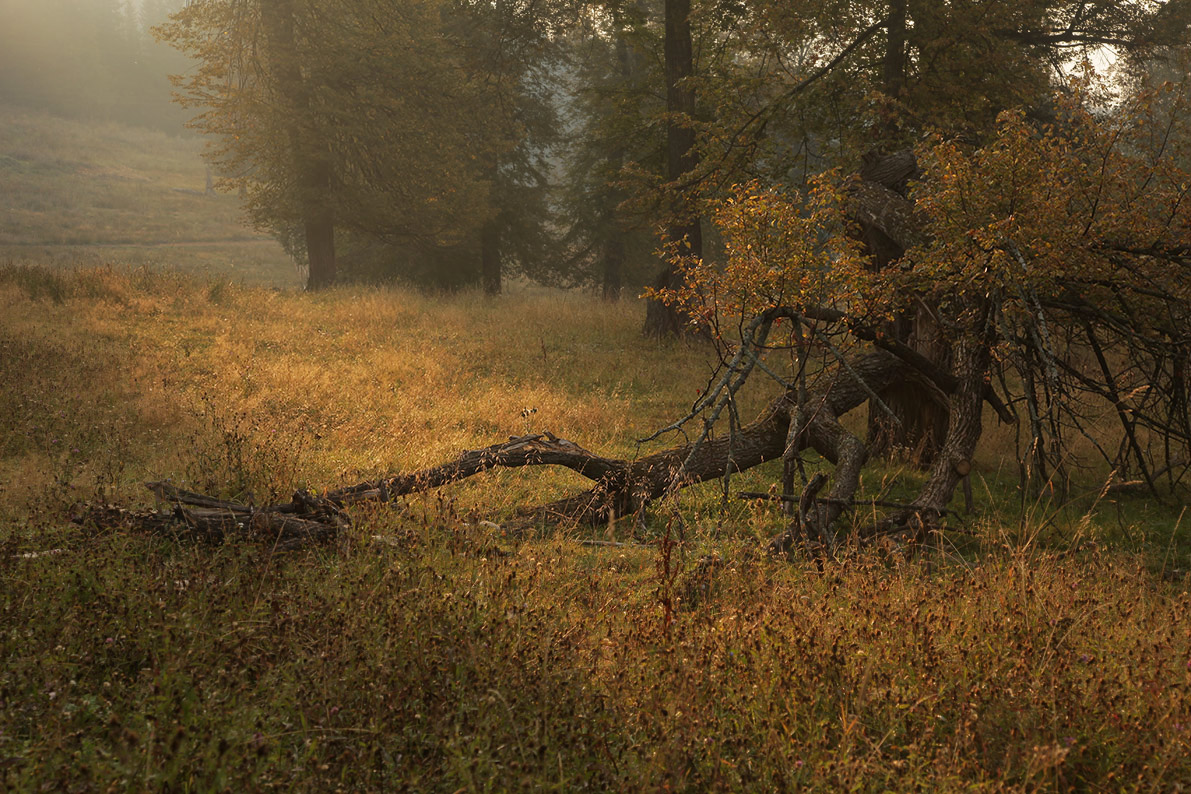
(362, 381)
(1048, 653)
(78, 194)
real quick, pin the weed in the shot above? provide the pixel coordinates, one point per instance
(38, 283)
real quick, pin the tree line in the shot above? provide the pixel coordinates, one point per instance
(454, 141)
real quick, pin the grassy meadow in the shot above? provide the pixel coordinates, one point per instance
(145, 334)
(1045, 647)
(83, 194)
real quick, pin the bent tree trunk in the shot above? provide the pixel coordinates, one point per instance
(631, 487)
(915, 423)
(625, 488)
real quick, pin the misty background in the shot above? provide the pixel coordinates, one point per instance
(90, 59)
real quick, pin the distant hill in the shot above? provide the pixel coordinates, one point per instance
(73, 192)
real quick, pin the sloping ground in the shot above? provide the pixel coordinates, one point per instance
(76, 193)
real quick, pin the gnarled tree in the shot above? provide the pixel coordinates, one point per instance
(1057, 260)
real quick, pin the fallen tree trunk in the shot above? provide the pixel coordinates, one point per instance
(620, 487)
(540, 449)
(303, 521)
(633, 487)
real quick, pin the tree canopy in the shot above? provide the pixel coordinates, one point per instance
(1054, 260)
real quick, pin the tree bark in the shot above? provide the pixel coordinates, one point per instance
(490, 266)
(916, 422)
(685, 232)
(965, 409)
(662, 320)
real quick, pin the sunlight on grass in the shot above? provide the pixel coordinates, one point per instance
(1047, 648)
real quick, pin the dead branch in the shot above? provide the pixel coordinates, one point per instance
(540, 449)
(619, 487)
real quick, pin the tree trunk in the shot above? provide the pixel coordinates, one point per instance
(320, 229)
(320, 248)
(895, 49)
(490, 258)
(916, 421)
(662, 320)
(796, 420)
(613, 266)
(918, 424)
(685, 232)
(964, 427)
(629, 488)
(681, 155)
(311, 160)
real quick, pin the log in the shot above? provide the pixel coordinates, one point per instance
(304, 520)
(539, 449)
(619, 487)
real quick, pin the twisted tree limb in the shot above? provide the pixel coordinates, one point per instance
(619, 487)
(796, 420)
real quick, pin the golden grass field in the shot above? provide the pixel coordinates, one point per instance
(1043, 645)
(1047, 649)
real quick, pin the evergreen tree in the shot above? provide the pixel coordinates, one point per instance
(512, 50)
(338, 115)
(612, 131)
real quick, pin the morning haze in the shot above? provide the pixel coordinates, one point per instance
(658, 395)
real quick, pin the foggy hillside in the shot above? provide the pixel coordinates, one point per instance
(90, 58)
